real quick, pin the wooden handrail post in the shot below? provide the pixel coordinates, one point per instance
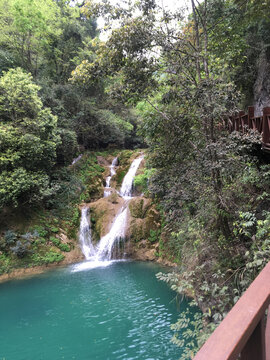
(266, 125)
(251, 112)
(240, 124)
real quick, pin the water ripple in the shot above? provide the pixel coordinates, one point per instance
(88, 312)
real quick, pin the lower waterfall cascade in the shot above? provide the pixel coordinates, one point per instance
(101, 253)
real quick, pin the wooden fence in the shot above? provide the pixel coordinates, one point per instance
(242, 122)
(245, 332)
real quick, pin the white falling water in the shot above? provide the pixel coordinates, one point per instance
(85, 235)
(101, 254)
(117, 232)
(76, 159)
(126, 188)
(107, 191)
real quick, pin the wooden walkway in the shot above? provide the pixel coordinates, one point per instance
(243, 122)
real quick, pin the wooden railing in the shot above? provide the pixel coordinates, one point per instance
(245, 332)
(242, 122)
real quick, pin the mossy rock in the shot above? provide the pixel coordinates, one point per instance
(137, 230)
(94, 189)
(139, 207)
(114, 197)
(144, 220)
(152, 220)
(141, 230)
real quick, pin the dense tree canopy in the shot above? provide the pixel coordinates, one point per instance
(44, 117)
(28, 140)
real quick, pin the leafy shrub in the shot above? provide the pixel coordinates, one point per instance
(64, 247)
(48, 258)
(154, 235)
(39, 241)
(76, 217)
(55, 241)
(5, 266)
(41, 230)
(32, 139)
(120, 176)
(141, 181)
(21, 249)
(61, 246)
(10, 237)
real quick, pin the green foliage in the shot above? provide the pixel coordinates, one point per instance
(49, 257)
(5, 265)
(154, 236)
(76, 217)
(55, 241)
(124, 163)
(68, 146)
(41, 230)
(141, 181)
(64, 247)
(91, 175)
(26, 27)
(120, 176)
(54, 229)
(97, 128)
(23, 186)
(28, 141)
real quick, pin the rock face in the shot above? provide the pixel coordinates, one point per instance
(103, 212)
(143, 229)
(262, 84)
(144, 218)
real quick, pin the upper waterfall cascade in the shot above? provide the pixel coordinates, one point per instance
(102, 252)
(108, 189)
(126, 188)
(76, 159)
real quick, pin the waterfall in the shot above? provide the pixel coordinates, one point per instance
(85, 235)
(117, 232)
(126, 188)
(107, 191)
(76, 159)
(101, 254)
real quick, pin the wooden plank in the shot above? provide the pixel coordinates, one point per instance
(255, 347)
(228, 340)
(265, 125)
(251, 111)
(267, 336)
